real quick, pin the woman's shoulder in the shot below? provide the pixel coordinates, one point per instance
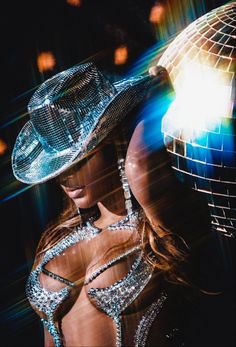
(56, 254)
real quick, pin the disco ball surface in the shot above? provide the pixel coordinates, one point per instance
(200, 126)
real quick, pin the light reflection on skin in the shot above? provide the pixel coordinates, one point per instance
(95, 181)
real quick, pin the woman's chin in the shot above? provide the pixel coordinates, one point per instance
(83, 202)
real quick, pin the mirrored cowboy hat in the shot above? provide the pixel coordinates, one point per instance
(70, 114)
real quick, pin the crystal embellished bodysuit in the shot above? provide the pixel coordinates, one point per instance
(112, 300)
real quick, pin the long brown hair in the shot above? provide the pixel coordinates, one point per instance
(164, 250)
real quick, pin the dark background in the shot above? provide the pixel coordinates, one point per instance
(73, 34)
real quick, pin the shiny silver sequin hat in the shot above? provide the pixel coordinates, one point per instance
(70, 114)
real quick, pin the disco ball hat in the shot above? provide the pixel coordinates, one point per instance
(70, 114)
(200, 126)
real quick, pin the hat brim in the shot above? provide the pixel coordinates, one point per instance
(32, 164)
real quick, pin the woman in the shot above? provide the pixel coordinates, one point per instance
(107, 273)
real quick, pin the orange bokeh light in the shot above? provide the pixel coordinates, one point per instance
(156, 14)
(120, 55)
(46, 61)
(74, 2)
(3, 147)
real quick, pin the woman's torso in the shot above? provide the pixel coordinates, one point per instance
(111, 296)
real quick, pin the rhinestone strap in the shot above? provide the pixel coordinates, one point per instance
(117, 321)
(57, 277)
(52, 329)
(79, 234)
(147, 320)
(104, 267)
(130, 222)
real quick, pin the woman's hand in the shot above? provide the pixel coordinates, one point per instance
(165, 200)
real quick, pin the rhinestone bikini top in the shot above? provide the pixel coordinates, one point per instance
(112, 300)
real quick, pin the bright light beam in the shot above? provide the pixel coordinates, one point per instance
(202, 98)
(11, 196)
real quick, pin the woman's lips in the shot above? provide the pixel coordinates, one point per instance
(74, 192)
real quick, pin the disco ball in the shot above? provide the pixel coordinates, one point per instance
(199, 128)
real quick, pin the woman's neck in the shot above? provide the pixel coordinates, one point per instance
(111, 210)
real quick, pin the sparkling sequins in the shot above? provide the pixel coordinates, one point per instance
(147, 320)
(48, 301)
(130, 222)
(115, 299)
(53, 331)
(82, 108)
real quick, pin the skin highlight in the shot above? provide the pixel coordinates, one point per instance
(96, 181)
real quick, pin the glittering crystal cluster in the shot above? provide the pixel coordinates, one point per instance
(125, 184)
(114, 299)
(200, 126)
(45, 300)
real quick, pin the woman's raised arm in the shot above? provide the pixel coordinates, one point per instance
(166, 201)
